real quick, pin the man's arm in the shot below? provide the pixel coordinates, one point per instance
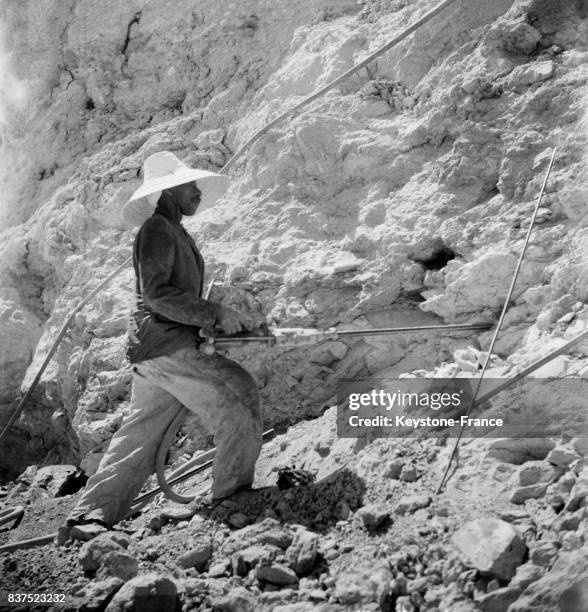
(155, 255)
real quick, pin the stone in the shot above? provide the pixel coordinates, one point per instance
(243, 561)
(514, 515)
(282, 600)
(196, 557)
(569, 541)
(562, 457)
(238, 599)
(528, 74)
(518, 36)
(194, 586)
(277, 574)
(408, 473)
(498, 600)
(570, 521)
(492, 546)
(269, 531)
(238, 520)
(302, 553)
(363, 586)
(563, 589)
(580, 446)
(118, 564)
(97, 594)
(543, 554)
(535, 472)
(579, 492)
(410, 504)
(373, 516)
(520, 450)
(521, 494)
(92, 552)
(327, 352)
(219, 568)
(84, 533)
(526, 574)
(393, 469)
(146, 593)
(60, 480)
(173, 512)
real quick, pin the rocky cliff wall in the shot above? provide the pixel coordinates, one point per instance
(401, 197)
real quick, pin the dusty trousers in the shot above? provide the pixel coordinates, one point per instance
(218, 390)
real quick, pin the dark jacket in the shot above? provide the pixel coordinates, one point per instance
(169, 274)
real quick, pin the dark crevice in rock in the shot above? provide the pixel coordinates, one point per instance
(435, 257)
(132, 22)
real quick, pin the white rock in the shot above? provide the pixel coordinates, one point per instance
(492, 546)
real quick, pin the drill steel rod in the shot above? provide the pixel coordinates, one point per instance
(366, 332)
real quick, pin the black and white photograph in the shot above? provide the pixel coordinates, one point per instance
(294, 305)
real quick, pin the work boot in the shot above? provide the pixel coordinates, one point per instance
(79, 530)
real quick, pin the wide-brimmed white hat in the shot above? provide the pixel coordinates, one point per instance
(164, 170)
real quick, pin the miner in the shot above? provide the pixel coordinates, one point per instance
(168, 369)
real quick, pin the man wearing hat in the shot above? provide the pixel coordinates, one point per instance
(169, 371)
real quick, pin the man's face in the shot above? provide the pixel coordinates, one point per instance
(188, 197)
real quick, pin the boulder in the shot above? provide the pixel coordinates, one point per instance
(175, 512)
(97, 594)
(543, 553)
(408, 473)
(277, 574)
(302, 553)
(118, 564)
(363, 586)
(492, 546)
(526, 575)
(245, 560)
(269, 531)
(410, 504)
(521, 494)
(196, 557)
(579, 493)
(562, 456)
(92, 552)
(81, 533)
(236, 600)
(373, 516)
(498, 600)
(60, 480)
(146, 593)
(535, 472)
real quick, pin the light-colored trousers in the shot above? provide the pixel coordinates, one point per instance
(219, 390)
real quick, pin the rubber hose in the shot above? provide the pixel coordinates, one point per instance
(8, 515)
(166, 442)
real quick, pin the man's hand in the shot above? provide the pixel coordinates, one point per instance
(232, 321)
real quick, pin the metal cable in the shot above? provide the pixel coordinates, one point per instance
(500, 321)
